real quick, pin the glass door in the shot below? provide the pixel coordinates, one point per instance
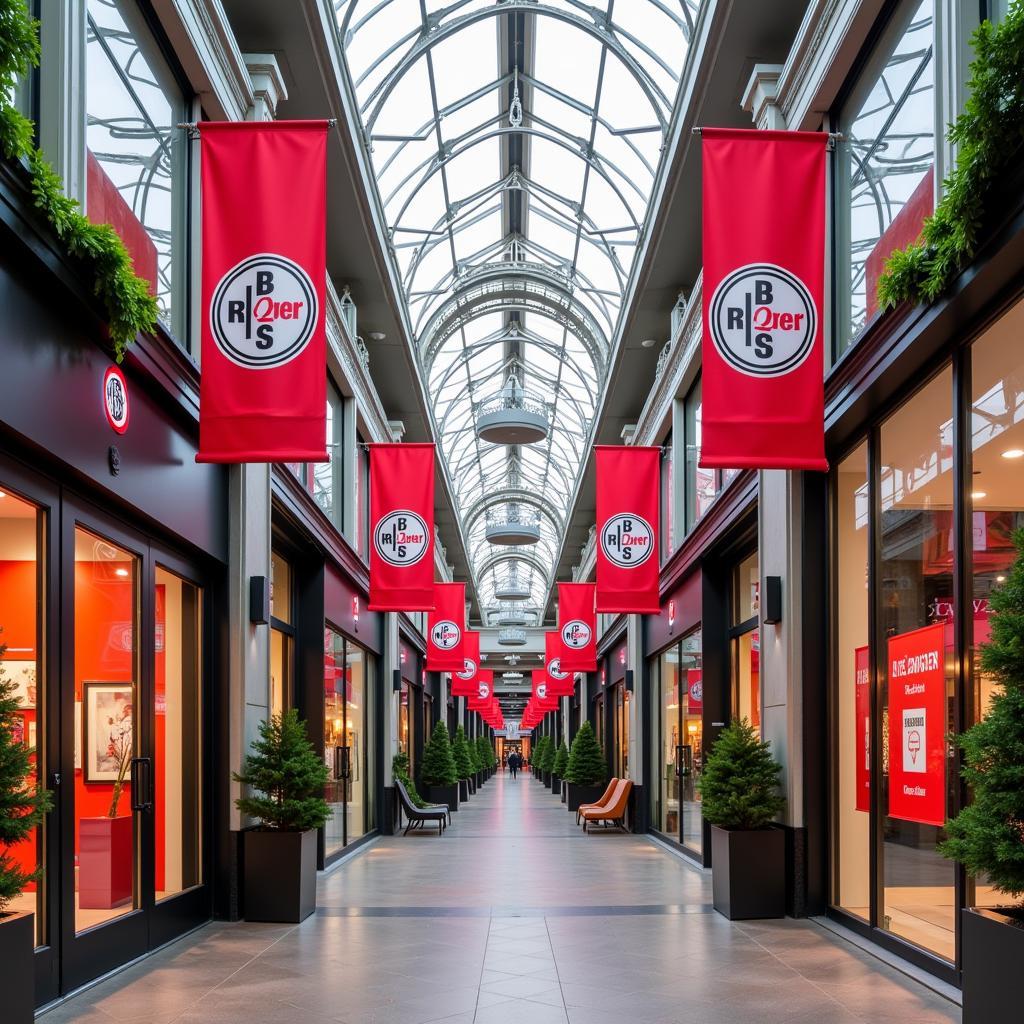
(672, 754)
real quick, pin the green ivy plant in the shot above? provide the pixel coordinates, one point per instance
(129, 306)
(988, 136)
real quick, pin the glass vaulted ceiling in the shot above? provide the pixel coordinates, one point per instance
(515, 145)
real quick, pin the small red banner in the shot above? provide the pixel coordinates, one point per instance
(464, 682)
(483, 699)
(577, 626)
(627, 528)
(694, 691)
(542, 699)
(764, 277)
(402, 528)
(263, 390)
(446, 628)
(862, 714)
(917, 725)
(560, 683)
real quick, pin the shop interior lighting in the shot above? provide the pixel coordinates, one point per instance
(120, 572)
(1013, 453)
(978, 495)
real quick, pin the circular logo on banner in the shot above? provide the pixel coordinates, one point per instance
(401, 538)
(115, 399)
(762, 320)
(542, 690)
(696, 691)
(576, 634)
(445, 634)
(627, 540)
(555, 669)
(264, 311)
(468, 671)
(484, 690)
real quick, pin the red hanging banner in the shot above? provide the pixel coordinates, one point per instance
(560, 683)
(464, 682)
(402, 528)
(627, 528)
(542, 700)
(263, 390)
(577, 626)
(918, 725)
(483, 699)
(446, 628)
(764, 277)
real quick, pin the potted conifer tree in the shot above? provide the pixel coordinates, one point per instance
(463, 764)
(285, 780)
(438, 774)
(740, 798)
(587, 771)
(558, 766)
(23, 805)
(549, 762)
(486, 755)
(537, 761)
(987, 836)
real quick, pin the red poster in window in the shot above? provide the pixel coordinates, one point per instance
(764, 276)
(862, 724)
(627, 528)
(577, 624)
(446, 628)
(917, 726)
(402, 528)
(559, 682)
(464, 682)
(263, 390)
(694, 691)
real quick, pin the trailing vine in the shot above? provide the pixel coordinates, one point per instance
(988, 136)
(125, 296)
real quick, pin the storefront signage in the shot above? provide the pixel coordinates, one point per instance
(263, 391)
(862, 725)
(446, 628)
(115, 399)
(577, 623)
(917, 726)
(764, 246)
(402, 528)
(627, 528)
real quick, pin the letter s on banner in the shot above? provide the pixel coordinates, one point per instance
(627, 528)
(263, 391)
(763, 393)
(402, 527)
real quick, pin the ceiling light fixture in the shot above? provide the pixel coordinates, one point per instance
(2, 494)
(648, 343)
(1013, 453)
(977, 495)
(377, 335)
(1000, 579)
(120, 572)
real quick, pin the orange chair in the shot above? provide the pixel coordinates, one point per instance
(614, 811)
(605, 797)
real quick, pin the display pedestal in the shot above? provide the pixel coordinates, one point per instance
(105, 862)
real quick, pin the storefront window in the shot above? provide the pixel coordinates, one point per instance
(362, 498)
(404, 736)
(691, 759)
(666, 497)
(916, 636)
(746, 643)
(886, 170)
(20, 663)
(668, 765)
(282, 634)
(853, 706)
(136, 174)
(702, 485)
(327, 478)
(622, 731)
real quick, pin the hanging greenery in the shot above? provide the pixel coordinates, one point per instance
(129, 306)
(988, 136)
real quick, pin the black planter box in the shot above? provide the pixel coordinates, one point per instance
(748, 872)
(280, 875)
(993, 953)
(17, 969)
(556, 784)
(464, 790)
(443, 795)
(563, 790)
(576, 795)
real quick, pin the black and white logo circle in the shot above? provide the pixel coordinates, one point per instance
(576, 634)
(115, 399)
(555, 669)
(763, 320)
(401, 538)
(445, 634)
(263, 312)
(542, 691)
(484, 690)
(627, 540)
(468, 669)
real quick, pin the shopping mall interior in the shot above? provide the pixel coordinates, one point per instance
(268, 778)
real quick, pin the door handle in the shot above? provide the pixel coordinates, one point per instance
(142, 783)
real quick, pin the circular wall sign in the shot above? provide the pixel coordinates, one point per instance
(115, 399)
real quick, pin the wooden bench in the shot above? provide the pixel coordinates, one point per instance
(612, 813)
(419, 815)
(605, 797)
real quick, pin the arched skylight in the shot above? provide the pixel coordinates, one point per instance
(515, 145)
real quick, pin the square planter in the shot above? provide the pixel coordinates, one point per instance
(556, 784)
(993, 951)
(748, 872)
(564, 791)
(576, 795)
(17, 967)
(443, 795)
(105, 862)
(280, 875)
(464, 789)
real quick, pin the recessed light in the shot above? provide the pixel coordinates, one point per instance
(648, 343)
(1000, 579)
(120, 572)
(377, 335)
(977, 495)
(1013, 453)
(2, 494)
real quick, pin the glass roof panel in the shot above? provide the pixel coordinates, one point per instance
(514, 236)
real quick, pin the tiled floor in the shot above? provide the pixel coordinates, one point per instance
(512, 917)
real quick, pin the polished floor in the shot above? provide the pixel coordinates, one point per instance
(512, 917)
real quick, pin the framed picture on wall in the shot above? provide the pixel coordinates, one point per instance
(108, 730)
(23, 675)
